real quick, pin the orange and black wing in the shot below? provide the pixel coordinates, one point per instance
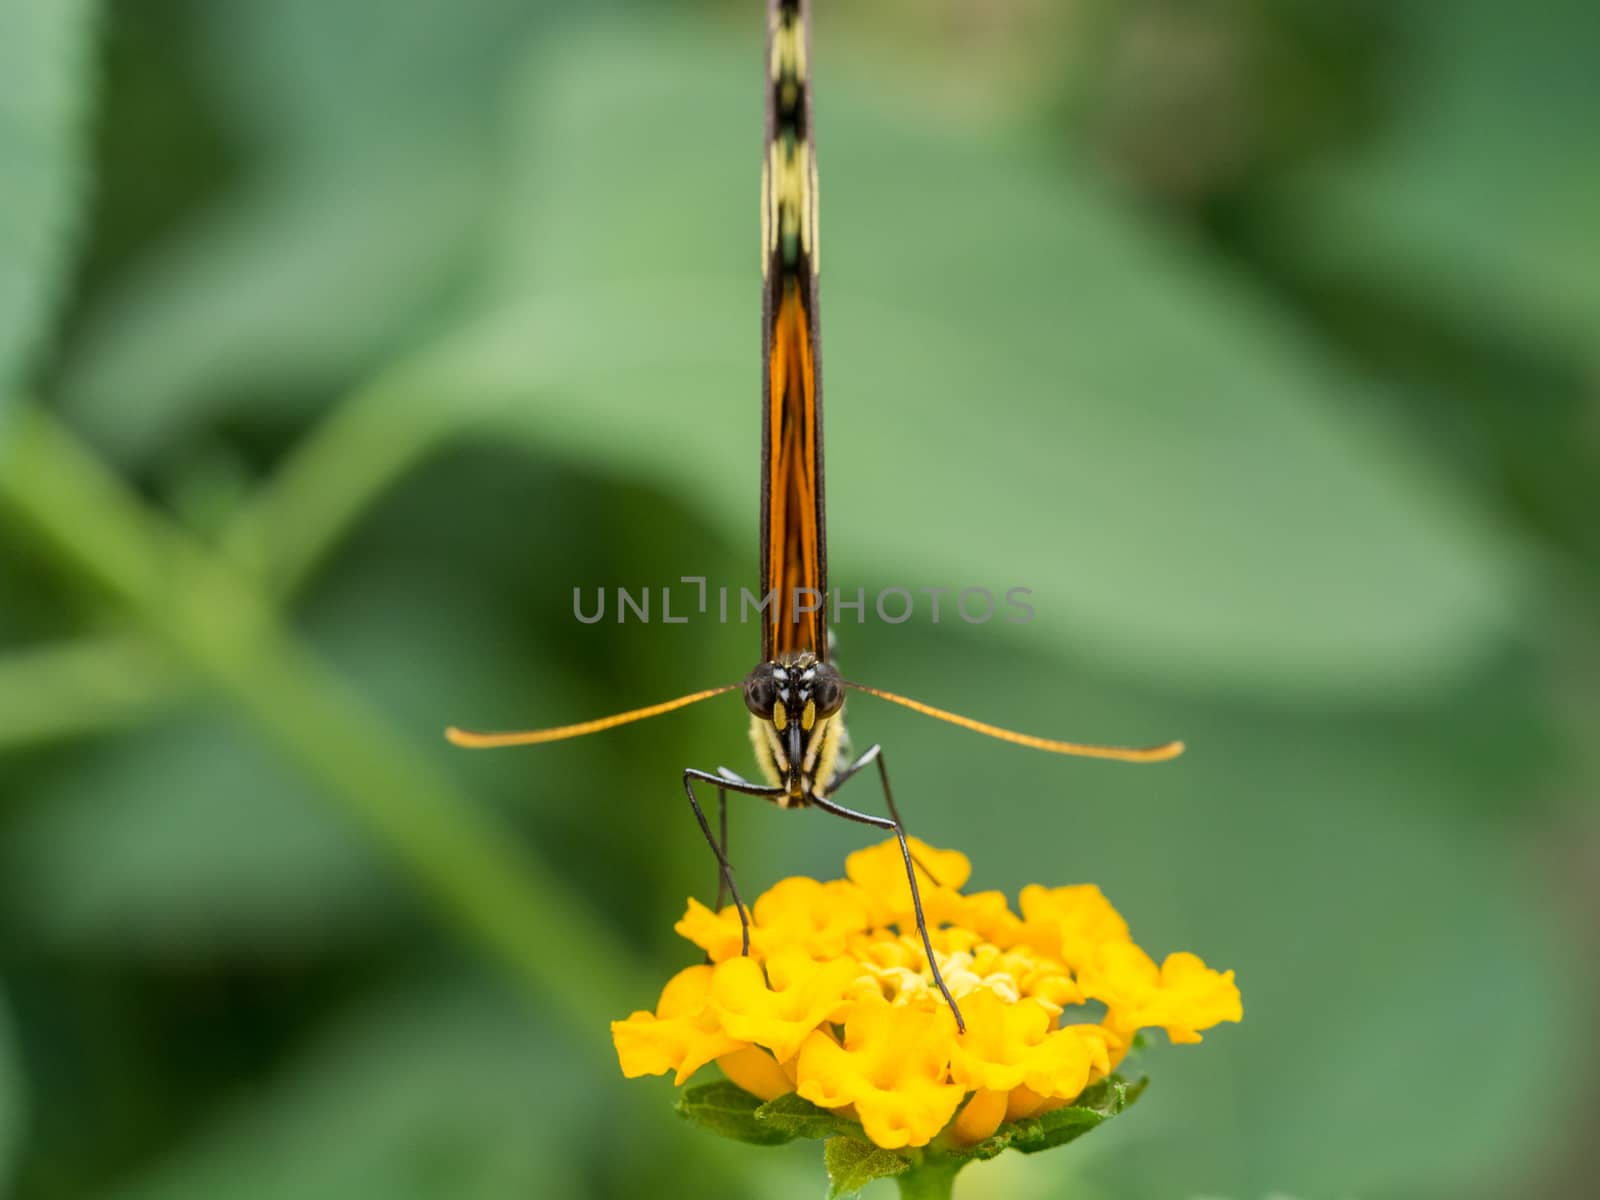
(794, 547)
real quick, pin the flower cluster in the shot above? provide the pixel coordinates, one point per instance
(835, 1000)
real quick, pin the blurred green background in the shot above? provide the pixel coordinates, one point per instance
(341, 339)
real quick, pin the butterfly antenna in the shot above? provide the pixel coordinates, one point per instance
(1136, 754)
(533, 737)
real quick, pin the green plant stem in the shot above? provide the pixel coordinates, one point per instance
(212, 618)
(368, 442)
(489, 373)
(373, 437)
(95, 683)
(930, 1179)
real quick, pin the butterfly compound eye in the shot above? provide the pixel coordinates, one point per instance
(827, 691)
(761, 691)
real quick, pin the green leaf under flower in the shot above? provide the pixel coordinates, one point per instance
(798, 1117)
(1059, 1126)
(725, 1108)
(852, 1164)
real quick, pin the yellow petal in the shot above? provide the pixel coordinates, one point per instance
(892, 1067)
(686, 994)
(980, 1118)
(777, 1007)
(1061, 1066)
(880, 872)
(999, 1043)
(989, 916)
(720, 935)
(682, 1035)
(1197, 997)
(1023, 1101)
(819, 918)
(753, 1069)
(1182, 996)
(1070, 923)
(824, 1073)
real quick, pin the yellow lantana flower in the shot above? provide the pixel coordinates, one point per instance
(836, 1000)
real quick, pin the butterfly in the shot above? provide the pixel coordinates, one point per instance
(795, 694)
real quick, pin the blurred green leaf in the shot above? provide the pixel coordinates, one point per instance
(288, 290)
(1062, 396)
(726, 1109)
(1479, 198)
(45, 76)
(185, 835)
(445, 1092)
(182, 832)
(371, 123)
(304, 78)
(498, 892)
(853, 1164)
(13, 1097)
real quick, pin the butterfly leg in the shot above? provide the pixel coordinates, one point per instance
(870, 755)
(726, 869)
(892, 822)
(722, 822)
(722, 841)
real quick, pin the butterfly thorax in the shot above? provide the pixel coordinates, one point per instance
(796, 705)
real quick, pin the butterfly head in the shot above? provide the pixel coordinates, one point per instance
(796, 703)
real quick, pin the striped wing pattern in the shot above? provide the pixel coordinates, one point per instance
(794, 550)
